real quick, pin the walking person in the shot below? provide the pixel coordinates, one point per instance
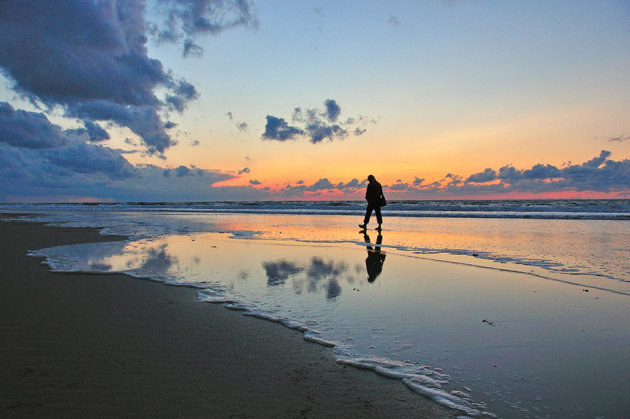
(375, 200)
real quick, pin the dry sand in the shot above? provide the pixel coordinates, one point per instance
(80, 345)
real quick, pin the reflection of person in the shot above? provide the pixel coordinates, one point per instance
(375, 199)
(375, 259)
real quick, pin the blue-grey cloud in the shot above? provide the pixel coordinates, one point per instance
(393, 20)
(191, 49)
(315, 124)
(487, 175)
(332, 110)
(77, 169)
(254, 182)
(244, 170)
(322, 185)
(599, 174)
(353, 184)
(191, 18)
(241, 126)
(620, 138)
(399, 187)
(192, 171)
(95, 132)
(279, 129)
(91, 158)
(90, 58)
(29, 129)
(183, 92)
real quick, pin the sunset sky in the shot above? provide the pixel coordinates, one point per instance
(170, 100)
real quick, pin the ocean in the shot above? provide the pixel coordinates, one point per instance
(509, 308)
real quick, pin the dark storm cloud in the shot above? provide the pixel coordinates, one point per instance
(90, 57)
(315, 124)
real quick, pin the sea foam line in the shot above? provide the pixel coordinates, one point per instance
(420, 379)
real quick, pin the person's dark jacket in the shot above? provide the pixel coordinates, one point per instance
(374, 193)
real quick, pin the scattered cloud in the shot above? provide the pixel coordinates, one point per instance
(240, 125)
(244, 170)
(279, 129)
(187, 19)
(83, 169)
(393, 20)
(622, 137)
(191, 49)
(314, 124)
(487, 175)
(599, 174)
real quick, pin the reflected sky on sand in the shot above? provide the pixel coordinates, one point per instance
(510, 343)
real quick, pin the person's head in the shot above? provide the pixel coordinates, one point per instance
(371, 178)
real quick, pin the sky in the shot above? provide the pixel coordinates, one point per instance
(200, 100)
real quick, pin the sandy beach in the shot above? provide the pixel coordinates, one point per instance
(81, 345)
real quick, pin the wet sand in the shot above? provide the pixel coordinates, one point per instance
(82, 345)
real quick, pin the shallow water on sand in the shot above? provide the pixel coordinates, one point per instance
(545, 336)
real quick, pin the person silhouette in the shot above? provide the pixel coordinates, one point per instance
(375, 200)
(375, 259)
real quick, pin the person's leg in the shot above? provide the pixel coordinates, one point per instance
(379, 217)
(368, 213)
